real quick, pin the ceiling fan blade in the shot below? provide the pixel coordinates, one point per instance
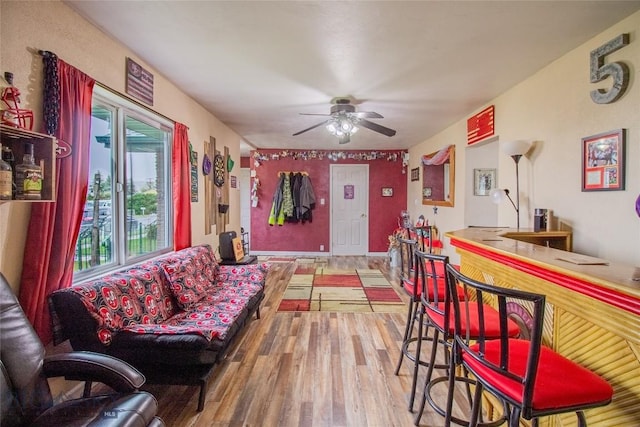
(376, 127)
(312, 127)
(368, 115)
(314, 114)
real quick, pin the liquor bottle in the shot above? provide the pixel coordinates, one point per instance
(7, 156)
(28, 176)
(6, 179)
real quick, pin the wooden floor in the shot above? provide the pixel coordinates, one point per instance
(306, 369)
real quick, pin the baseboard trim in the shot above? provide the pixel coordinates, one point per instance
(311, 254)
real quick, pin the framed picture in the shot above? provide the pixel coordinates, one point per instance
(415, 174)
(483, 181)
(603, 158)
(387, 191)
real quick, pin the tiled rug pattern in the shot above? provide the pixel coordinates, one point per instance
(321, 288)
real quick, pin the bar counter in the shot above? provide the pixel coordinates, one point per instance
(592, 315)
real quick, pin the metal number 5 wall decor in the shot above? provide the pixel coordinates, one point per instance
(618, 71)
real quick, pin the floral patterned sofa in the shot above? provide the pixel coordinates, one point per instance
(173, 317)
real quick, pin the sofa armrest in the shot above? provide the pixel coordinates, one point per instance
(90, 366)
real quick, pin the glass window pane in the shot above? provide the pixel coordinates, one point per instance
(94, 246)
(146, 188)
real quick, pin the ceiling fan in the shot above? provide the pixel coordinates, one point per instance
(344, 121)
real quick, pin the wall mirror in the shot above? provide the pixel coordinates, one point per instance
(438, 177)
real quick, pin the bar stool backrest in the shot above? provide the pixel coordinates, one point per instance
(435, 287)
(472, 344)
(407, 260)
(423, 236)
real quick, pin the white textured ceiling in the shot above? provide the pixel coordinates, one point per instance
(423, 65)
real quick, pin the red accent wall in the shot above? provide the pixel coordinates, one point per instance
(298, 237)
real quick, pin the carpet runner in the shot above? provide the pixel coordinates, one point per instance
(325, 289)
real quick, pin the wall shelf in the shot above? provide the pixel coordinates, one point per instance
(44, 152)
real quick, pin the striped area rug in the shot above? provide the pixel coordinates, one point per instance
(324, 289)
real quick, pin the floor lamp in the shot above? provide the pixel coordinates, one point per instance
(515, 149)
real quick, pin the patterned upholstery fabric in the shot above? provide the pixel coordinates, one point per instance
(184, 292)
(191, 272)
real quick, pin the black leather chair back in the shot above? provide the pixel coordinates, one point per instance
(24, 390)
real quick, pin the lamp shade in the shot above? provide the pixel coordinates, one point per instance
(516, 148)
(497, 195)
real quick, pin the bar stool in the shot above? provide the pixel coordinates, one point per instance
(439, 311)
(532, 379)
(412, 285)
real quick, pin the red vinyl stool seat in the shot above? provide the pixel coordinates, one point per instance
(531, 379)
(438, 309)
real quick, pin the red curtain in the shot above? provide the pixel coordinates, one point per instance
(53, 229)
(181, 164)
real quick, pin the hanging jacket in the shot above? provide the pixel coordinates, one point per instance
(307, 198)
(287, 199)
(296, 180)
(276, 214)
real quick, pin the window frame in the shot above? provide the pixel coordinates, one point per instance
(122, 108)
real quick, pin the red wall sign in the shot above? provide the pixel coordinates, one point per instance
(481, 125)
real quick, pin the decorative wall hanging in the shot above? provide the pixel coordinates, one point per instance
(618, 71)
(194, 176)
(603, 158)
(206, 164)
(218, 170)
(415, 174)
(481, 125)
(331, 155)
(139, 82)
(387, 191)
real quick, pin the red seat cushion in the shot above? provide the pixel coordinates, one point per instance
(491, 325)
(408, 285)
(560, 382)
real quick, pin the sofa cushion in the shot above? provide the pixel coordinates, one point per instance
(147, 281)
(191, 273)
(111, 305)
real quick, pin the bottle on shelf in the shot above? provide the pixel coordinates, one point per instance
(6, 179)
(7, 156)
(28, 176)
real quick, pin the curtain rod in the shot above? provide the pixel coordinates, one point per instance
(115, 92)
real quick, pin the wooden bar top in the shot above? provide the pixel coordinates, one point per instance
(608, 281)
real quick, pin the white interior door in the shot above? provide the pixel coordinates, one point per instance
(349, 209)
(245, 200)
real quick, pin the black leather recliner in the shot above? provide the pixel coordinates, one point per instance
(25, 397)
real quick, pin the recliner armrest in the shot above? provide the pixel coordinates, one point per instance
(90, 366)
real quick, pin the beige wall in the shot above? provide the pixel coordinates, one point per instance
(29, 26)
(554, 109)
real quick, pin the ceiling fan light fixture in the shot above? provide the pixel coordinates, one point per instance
(344, 121)
(331, 127)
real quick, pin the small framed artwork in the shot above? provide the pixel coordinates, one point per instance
(415, 174)
(387, 191)
(603, 158)
(483, 181)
